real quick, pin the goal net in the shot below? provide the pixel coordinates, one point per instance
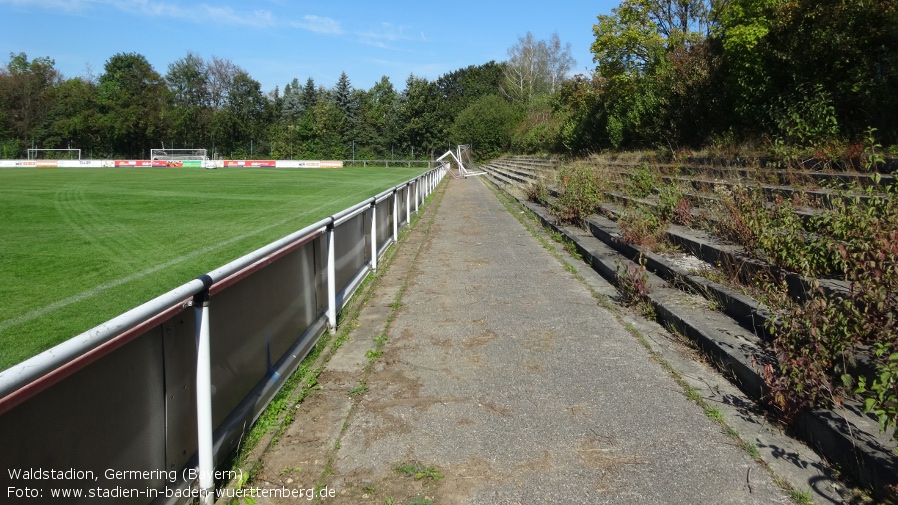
(178, 155)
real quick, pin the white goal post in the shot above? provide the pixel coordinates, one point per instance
(71, 154)
(462, 157)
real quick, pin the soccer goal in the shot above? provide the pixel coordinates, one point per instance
(200, 155)
(462, 157)
(54, 154)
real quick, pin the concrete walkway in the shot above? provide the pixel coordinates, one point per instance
(502, 381)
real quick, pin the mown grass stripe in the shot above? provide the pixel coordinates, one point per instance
(69, 236)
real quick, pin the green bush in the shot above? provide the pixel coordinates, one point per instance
(641, 225)
(643, 181)
(818, 340)
(578, 194)
(487, 123)
(669, 198)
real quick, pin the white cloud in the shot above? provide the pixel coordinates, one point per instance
(228, 16)
(197, 13)
(386, 35)
(319, 24)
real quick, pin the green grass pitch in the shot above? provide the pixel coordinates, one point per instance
(80, 246)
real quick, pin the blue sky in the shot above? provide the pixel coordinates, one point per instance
(277, 40)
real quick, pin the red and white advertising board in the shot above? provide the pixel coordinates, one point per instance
(133, 163)
(250, 163)
(298, 163)
(80, 163)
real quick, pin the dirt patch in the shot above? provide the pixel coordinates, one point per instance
(335, 381)
(579, 410)
(483, 338)
(475, 358)
(533, 366)
(301, 455)
(496, 409)
(600, 453)
(463, 479)
(544, 463)
(445, 343)
(540, 341)
(391, 382)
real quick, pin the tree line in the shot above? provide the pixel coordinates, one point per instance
(131, 108)
(670, 73)
(808, 73)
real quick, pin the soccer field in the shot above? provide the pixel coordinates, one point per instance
(80, 246)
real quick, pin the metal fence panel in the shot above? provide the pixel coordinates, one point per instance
(179, 347)
(109, 415)
(253, 323)
(384, 223)
(352, 248)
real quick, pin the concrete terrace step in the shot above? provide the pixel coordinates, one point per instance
(759, 173)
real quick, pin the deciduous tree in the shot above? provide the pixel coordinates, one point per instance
(487, 124)
(536, 66)
(132, 100)
(191, 109)
(27, 93)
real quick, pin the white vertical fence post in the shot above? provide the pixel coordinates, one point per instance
(408, 203)
(417, 184)
(395, 215)
(374, 236)
(204, 394)
(331, 281)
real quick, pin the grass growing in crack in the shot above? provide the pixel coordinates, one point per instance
(241, 482)
(692, 394)
(417, 471)
(753, 451)
(419, 500)
(714, 414)
(571, 249)
(359, 389)
(801, 497)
